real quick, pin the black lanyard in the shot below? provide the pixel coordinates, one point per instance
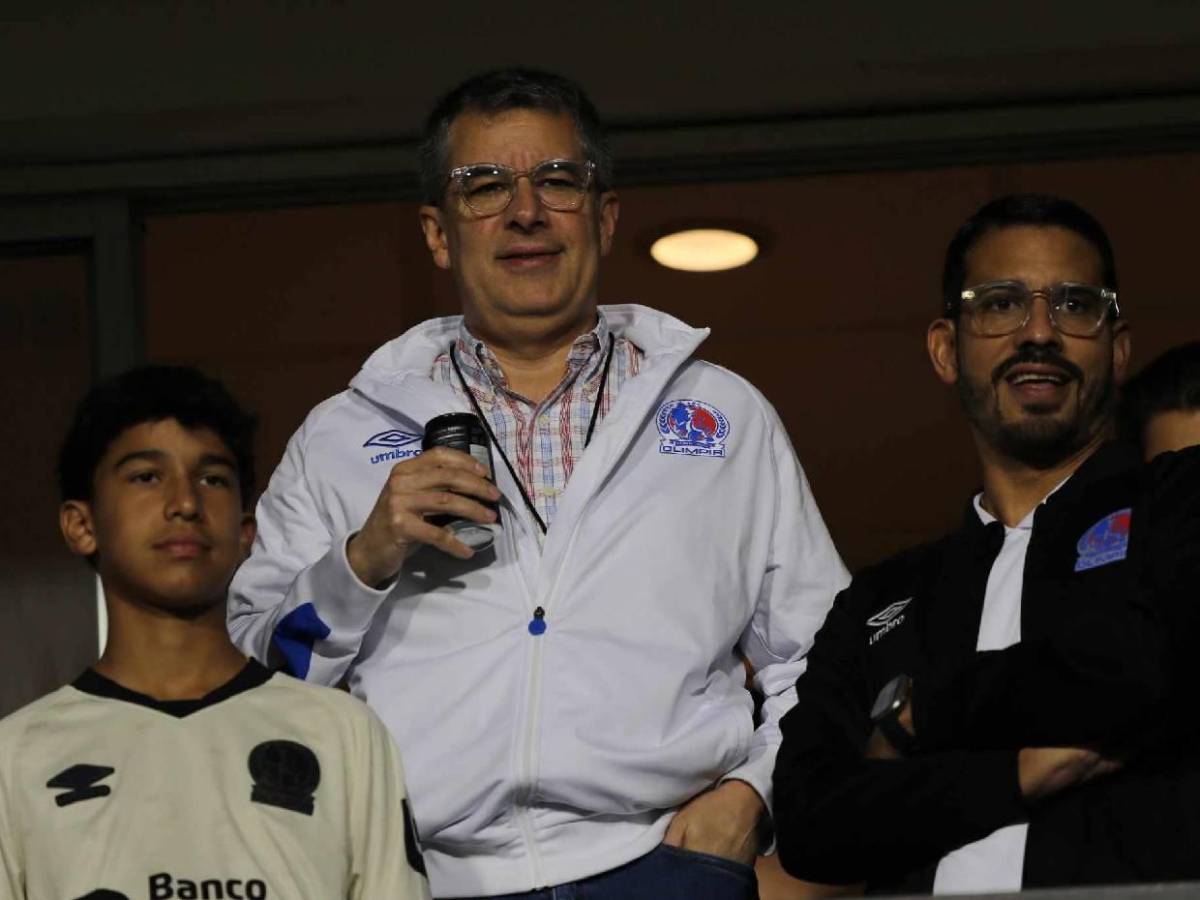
(492, 435)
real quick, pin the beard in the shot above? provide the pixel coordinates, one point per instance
(1043, 437)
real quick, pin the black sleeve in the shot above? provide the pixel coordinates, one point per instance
(1117, 669)
(841, 819)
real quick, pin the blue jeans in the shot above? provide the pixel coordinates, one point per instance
(665, 873)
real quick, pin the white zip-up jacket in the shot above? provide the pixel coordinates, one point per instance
(687, 532)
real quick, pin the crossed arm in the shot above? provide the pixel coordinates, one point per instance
(1002, 733)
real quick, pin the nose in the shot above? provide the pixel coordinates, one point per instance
(1039, 329)
(525, 210)
(183, 500)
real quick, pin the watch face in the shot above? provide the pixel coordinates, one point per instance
(888, 696)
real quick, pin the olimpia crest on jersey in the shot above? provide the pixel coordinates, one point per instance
(691, 428)
(1105, 542)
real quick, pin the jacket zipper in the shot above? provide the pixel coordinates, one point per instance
(523, 798)
(528, 761)
(525, 775)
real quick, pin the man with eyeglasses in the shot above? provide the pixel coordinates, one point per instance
(1010, 706)
(570, 701)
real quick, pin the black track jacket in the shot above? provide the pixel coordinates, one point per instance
(1110, 627)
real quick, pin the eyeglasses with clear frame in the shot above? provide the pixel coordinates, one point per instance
(998, 308)
(487, 188)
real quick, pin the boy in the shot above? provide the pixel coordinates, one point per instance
(174, 767)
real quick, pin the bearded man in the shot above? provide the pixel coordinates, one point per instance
(1009, 706)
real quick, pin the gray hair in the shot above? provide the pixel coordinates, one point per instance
(502, 90)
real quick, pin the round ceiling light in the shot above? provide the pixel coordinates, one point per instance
(704, 250)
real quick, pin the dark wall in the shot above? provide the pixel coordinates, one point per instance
(829, 322)
(47, 596)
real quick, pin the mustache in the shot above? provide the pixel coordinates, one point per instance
(1038, 356)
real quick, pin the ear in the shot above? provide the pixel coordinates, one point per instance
(610, 211)
(1122, 347)
(249, 528)
(435, 235)
(942, 342)
(78, 528)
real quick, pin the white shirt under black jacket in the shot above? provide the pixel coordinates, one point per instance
(266, 788)
(1106, 658)
(996, 862)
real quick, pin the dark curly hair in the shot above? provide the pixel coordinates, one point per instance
(152, 394)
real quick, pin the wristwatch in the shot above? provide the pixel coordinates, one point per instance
(885, 714)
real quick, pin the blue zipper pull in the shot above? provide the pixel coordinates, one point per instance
(537, 625)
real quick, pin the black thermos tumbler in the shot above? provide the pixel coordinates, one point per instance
(464, 431)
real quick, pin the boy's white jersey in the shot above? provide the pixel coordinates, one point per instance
(266, 788)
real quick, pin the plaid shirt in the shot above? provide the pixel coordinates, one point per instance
(543, 441)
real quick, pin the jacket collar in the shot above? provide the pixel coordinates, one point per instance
(397, 375)
(1110, 459)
